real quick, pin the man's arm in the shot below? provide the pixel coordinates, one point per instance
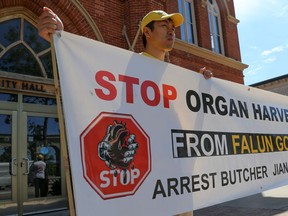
(48, 23)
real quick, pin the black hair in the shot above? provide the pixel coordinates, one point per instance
(151, 26)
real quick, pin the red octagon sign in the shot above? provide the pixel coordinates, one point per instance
(115, 153)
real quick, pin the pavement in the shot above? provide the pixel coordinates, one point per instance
(269, 203)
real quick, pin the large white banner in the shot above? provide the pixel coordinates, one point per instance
(147, 137)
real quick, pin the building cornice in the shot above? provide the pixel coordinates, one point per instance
(203, 3)
(274, 81)
(233, 19)
(209, 55)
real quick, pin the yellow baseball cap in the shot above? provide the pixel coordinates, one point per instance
(159, 15)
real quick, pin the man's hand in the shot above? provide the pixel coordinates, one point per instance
(206, 73)
(48, 23)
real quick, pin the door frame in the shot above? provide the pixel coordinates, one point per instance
(10, 108)
(20, 112)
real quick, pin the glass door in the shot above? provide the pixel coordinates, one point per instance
(8, 162)
(43, 182)
(32, 178)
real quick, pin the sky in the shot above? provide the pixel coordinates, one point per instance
(263, 37)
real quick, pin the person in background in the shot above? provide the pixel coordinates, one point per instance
(40, 178)
(157, 27)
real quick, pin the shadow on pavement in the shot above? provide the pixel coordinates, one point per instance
(251, 205)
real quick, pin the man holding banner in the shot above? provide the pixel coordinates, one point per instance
(157, 27)
(226, 140)
(158, 36)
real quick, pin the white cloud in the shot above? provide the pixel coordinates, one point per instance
(253, 71)
(258, 9)
(283, 11)
(245, 8)
(254, 47)
(270, 60)
(273, 50)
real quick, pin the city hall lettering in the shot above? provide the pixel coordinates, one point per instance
(21, 85)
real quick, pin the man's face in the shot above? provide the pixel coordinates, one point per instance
(163, 35)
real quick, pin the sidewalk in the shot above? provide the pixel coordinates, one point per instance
(269, 203)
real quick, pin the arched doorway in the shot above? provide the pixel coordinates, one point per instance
(28, 121)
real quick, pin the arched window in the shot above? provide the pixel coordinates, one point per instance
(215, 27)
(188, 28)
(22, 50)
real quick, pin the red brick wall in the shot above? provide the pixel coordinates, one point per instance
(202, 23)
(110, 17)
(230, 35)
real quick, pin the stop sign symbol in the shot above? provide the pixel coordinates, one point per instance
(115, 153)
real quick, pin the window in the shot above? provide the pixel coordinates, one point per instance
(22, 50)
(39, 100)
(188, 28)
(215, 27)
(8, 97)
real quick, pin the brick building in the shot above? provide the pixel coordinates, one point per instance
(277, 85)
(28, 112)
